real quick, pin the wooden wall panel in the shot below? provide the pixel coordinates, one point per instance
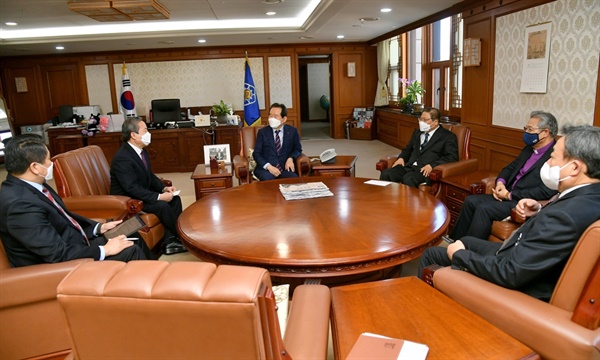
(62, 86)
(26, 107)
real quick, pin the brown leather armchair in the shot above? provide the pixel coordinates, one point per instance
(240, 162)
(201, 310)
(565, 328)
(82, 178)
(463, 166)
(32, 323)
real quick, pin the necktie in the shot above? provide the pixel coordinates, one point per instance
(425, 141)
(57, 205)
(278, 146)
(144, 159)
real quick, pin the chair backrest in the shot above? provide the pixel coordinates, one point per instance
(218, 312)
(4, 264)
(248, 139)
(81, 172)
(580, 265)
(463, 135)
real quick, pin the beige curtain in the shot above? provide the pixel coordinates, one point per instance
(383, 62)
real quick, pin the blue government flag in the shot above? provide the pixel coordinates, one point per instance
(251, 109)
(126, 101)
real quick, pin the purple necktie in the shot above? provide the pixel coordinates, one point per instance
(278, 146)
(57, 205)
(144, 159)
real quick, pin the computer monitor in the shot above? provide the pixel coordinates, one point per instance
(164, 110)
(65, 113)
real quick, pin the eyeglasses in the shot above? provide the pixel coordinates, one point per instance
(425, 120)
(532, 129)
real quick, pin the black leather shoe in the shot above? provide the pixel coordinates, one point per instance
(174, 247)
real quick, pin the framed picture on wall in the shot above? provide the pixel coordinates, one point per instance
(219, 152)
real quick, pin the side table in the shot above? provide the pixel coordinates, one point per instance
(456, 188)
(344, 165)
(409, 309)
(208, 181)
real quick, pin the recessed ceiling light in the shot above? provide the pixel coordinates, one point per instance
(11, 23)
(369, 19)
(306, 37)
(385, 10)
(340, 36)
(60, 47)
(167, 42)
(357, 25)
(271, 2)
(271, 13)
(202, 41)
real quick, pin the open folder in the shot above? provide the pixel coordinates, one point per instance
(378, 347)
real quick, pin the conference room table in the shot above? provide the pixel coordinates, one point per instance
(363, 232)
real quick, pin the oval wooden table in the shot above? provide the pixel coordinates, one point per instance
(359, 234)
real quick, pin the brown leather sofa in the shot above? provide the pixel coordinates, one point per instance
(565, 328)
(192, 310)
(32, 323)
(82, 178)
(463, 166)
(241, 165)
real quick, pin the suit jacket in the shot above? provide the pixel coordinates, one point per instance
(533, 259)
(530, 185)
(130, 177)
(265, 151)
(441, 148)
(34, 231)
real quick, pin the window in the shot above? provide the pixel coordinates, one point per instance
(432, 55)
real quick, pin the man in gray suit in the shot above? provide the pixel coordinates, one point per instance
(429, 146)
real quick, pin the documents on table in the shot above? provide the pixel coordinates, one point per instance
(378, 347)
(378, 182)
(304, 191)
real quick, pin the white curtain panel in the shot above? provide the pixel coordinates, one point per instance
(383, 62)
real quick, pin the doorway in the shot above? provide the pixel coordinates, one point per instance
(315, 96)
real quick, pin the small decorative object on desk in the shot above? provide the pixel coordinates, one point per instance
(213, 163)
(304, 191)
(378, 347)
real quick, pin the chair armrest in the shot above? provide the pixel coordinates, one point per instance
(303, 165)
(35, 283)
(307, 330)
(241, 169)
(545, 328)
(386, 162)
(103, 206)
(489, 183)
(167, 182)
(453, 168)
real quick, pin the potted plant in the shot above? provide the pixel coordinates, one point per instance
(414, 90)
(221, 110)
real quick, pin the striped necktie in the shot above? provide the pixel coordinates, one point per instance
(57, 205)
(425, 141)
(278, 146)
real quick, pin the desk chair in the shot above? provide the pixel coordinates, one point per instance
(128, 310)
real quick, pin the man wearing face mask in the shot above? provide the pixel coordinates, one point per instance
(277, 147)
(35, 225)
(518, 180)
(429, 146)
(533, 258)
(131, 175)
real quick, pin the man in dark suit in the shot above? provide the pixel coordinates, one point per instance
(35, 225)
(277, 147)
(429, 146)
(131, 175)
(533, 258)
(518, 180)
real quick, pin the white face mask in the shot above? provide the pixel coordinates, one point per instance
(423, 126)
(274, 123)
(146, 138)
(49, 171)
(550, 175)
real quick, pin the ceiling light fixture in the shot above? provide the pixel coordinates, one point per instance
(369, 19)
(202, 41)
(120, 10)
(385, 10)
(340, 36)
(306, 37)
(11, 23)
(60, 47)
(272, 2)
(271, 13)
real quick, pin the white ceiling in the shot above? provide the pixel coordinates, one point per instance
(329, 19)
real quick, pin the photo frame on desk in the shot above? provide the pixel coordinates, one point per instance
(220, 152)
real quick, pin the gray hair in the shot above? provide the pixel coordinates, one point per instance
(582, 142)
(547, 121)
(131, 124)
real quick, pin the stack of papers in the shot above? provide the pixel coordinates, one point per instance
(377, 347)
(304, 191)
